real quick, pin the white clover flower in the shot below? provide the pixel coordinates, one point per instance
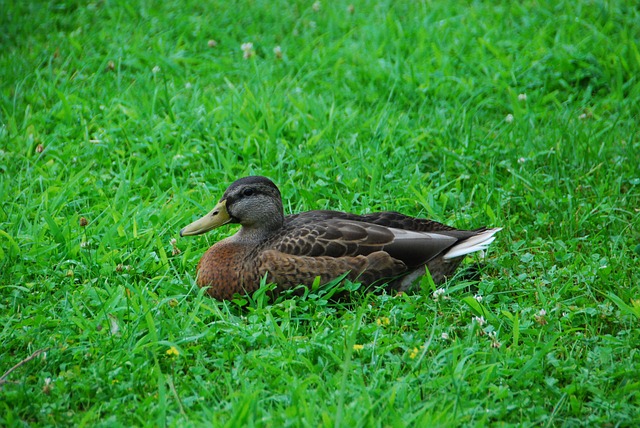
(495, 343)
(247, 50)
(316, 6)
(480, 320)
(478, 298)
(540, 317)
(438, 294)
(156, 69)
(521, 160)
(522, 97)
(509, 118)
(445, 336)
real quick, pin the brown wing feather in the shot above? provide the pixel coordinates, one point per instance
(337, 234)
(385, 218)
(333, 238)
(289, 270)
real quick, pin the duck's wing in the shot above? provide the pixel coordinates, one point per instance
(339, 237)
(401, 221)
(288, 270)
(373, 247)
(392, 219)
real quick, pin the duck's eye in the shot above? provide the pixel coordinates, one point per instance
(248, 192)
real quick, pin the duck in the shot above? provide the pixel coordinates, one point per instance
(384, 250)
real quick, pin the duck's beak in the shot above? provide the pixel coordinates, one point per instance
(216, 218)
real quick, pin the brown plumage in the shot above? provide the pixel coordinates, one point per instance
(377, 248)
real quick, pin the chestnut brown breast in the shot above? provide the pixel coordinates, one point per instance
(223, 270)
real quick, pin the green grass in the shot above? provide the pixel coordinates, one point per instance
(122, 114)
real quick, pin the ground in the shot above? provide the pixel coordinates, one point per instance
(121, 122)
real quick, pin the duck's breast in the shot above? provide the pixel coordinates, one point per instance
(225, 270)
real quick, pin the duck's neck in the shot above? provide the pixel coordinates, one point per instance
(256, 233)
(251, 235)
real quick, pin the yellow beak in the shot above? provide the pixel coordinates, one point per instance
(216, 218)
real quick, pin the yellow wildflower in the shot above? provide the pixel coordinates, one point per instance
(382, 321)
(414, 353)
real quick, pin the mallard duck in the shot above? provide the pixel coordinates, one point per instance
(378, 248)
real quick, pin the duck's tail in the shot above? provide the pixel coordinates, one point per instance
(478, 242)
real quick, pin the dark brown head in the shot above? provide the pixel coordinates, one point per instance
(254, 202)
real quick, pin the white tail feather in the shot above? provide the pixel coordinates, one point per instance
(480, 242)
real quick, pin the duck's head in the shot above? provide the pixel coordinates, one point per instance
(253, 202)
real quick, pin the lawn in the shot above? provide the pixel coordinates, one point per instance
(123, 121)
